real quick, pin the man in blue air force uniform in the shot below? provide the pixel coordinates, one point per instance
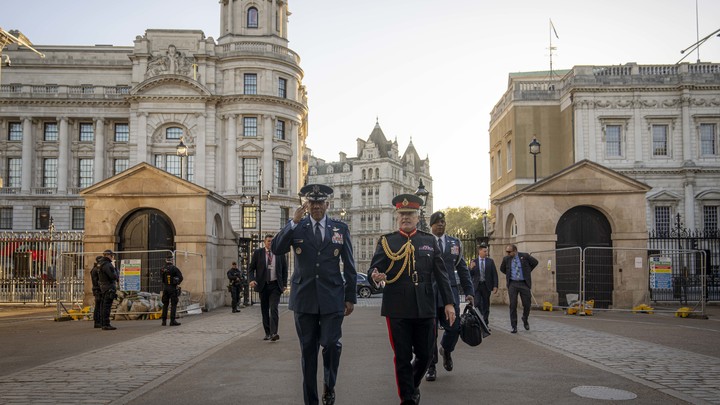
(319, 295)
(452, 255)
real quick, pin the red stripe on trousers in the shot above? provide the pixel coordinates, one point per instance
(392, 344)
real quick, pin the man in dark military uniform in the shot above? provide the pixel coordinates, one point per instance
(171, 279)
(236, 282)
(97, 294)
(452, 255)
(107, 280)
(321, 294)
(408, 260)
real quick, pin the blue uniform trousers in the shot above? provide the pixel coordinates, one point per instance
(315, 330)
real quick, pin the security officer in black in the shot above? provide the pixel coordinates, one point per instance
(171, 279)
(107, 281)
(97, 294)
(407, 260)
(236, 277)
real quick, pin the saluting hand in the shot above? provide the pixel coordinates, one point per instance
(300, 212)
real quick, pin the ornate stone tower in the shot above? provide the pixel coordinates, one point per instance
(254, 18)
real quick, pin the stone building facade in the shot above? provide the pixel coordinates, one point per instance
(86, 113)
(656, 128)
(365, 185)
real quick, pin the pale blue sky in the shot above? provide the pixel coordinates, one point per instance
(429, 70)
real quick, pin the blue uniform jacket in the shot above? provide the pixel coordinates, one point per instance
(317, 285)
(454, 261)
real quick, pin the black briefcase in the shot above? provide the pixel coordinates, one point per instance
(472, 326)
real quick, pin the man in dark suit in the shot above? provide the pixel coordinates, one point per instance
(485, 281)
(517, 267)
(408, 261)
(452, 255)
(268, 276)
(321, 294)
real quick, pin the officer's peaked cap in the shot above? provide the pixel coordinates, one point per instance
(108, 252)
(316, 192)
(407, 203)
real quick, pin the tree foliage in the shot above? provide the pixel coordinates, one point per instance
(464, 220)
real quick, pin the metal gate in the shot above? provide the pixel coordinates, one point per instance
(29, 263)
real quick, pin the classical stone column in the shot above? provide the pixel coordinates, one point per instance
(199, 168)
(98, 160)
(63, 156)
(268, 161)
(687, 132)
(231, 154)
(294, 168)
(689, 185)
(27, 155)
(141, 138)
(637, 134)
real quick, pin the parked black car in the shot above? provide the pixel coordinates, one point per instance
(365, 287)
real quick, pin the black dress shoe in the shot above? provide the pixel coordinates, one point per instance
(267, 337)
(173, 323)
(526, 325)
(514, 330)
(274, 338)
(431, 374)
(97, 325)
(109, 327)
(416, 397)
(447, 359)
(234, 310)
(328, 396)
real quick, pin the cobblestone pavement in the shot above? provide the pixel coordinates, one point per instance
(686, 375)
(122, 372)
(108, 374)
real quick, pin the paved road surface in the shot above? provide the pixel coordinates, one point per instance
(220, 357)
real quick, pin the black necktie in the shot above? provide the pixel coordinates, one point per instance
(318, 234)
(442, 249)
(267, 266)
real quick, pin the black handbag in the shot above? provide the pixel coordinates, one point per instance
(472, 327)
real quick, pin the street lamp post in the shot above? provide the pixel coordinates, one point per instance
(484, 217)
(534, 150)
(423, 194)
(182, 151)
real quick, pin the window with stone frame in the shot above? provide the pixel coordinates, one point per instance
(249, 220)
(6, 217)
(509, 156)
(50, 172)
(613, 141)
(250, 126)
(708, 139)
(660, 140)
(280, 174)
(42, 217)
(280, 129)
(282, 87)
(662, 220)
(50, 132)
(15, 131)
(14, 176)
(250, 172)
(173, 133)
(120, 165)
(499, 164)
(87, 133)
(122, 132)
(78, 218)
(710, 219)
(250, 83)
(85, 172)
(252, 17)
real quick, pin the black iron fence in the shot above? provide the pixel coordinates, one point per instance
(686, 277)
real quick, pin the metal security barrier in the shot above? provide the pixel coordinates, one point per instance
(586, 277)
